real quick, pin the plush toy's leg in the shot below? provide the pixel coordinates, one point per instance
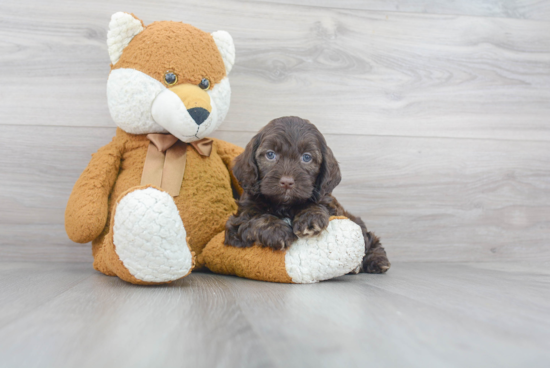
(147, 240)
(337, 251)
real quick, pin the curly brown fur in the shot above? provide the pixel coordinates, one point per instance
(287, 171)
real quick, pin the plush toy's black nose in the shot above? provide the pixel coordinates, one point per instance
(198, 114)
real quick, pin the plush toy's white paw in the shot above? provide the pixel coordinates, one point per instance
(149, 236)
(335, 252)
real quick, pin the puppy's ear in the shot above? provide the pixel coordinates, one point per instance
(329, 174)
(245, 167)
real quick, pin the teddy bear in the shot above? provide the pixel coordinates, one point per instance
(154, 201)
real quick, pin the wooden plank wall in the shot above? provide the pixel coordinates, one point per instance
(438, 111)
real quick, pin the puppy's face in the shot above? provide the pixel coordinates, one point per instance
(288, 162)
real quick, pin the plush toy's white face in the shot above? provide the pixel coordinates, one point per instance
(168, 77)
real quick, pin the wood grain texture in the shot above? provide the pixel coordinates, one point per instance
(27, 286)
(418, 315)
(440, 121)
(349, 71)
(429, 199)
(522, 9)
(394, 321)
(106, 322)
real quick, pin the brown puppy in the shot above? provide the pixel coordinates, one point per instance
(288, 172)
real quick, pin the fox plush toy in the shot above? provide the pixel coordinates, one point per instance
(154, 201)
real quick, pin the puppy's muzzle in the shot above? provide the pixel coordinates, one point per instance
(286, 182)
(196, 100)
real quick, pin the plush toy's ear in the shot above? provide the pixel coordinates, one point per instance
(225, 44)
(122, 28)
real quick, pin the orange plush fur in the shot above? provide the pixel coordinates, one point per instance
(256, 262)
(206, 197)
(205, 201)
(181, 48)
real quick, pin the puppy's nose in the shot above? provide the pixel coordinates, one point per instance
(198, 114)
(286, 182)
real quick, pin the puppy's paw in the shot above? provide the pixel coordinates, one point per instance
(376, 262)
(310, 223)
(278, 236)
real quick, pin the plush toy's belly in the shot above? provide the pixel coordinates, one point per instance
(205, 200)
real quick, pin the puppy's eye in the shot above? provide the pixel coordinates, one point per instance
(270, 155)
(170, 78)
(306, 157)
(204, 84)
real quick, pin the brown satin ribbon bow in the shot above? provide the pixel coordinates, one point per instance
(165, 162)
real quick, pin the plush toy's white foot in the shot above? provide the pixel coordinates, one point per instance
(150, 238)
(338, 250)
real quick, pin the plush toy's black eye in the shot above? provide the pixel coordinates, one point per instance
(170, 78)
(204, 84)
(306, 157)
(270, 155)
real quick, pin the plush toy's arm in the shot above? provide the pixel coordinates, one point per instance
(336, 251)
(228, 152)
(87, 209)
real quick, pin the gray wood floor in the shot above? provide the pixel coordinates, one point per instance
(417, 315)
